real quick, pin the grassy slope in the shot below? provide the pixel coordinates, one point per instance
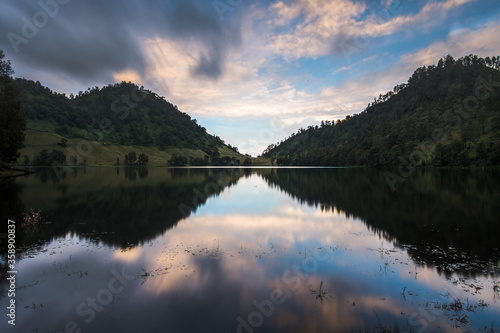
(98, 154)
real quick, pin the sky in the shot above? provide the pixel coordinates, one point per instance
(250, 71)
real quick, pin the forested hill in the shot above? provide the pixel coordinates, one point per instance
(445, 115)
(120, 114)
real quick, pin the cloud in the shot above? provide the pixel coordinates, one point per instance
(320, 24)
(329, 27)
(343, 68)
(430, 15)
(482, 41)
(83, 41)
(190, 21)
(94, 40)
(128, 75)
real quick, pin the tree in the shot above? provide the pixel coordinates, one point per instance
(130, 158)
(494, 156)
(42, 158)
(449, 61)
(178, 160)
(143, 159)
(57, 157)
(5, 68)
(481, 152)
(12, 119)
(488, 61)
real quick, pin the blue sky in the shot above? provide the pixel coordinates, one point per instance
(252, 72)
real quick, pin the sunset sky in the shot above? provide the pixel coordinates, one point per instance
(252, 72)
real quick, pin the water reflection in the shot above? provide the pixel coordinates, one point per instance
(440, 216)
(263, 250)
(117, 211)
(131, 172)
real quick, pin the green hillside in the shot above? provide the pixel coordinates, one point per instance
(100, 125)
(445, 115)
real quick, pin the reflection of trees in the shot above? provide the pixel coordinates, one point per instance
(135, 213)
(432, 211)
(131, 172)
(47, 173)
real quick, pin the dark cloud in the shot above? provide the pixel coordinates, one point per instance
(209, 67)
(89, 40)
(344, 43)
(190, 20)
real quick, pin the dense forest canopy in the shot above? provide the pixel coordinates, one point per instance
(121, 113)
(445, 115)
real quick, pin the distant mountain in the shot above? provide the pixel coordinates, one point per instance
(445, 115)
(123, 114)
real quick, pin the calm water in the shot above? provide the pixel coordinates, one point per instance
(254, 250)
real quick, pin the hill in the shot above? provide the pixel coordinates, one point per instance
(114, 121)
(445, 115)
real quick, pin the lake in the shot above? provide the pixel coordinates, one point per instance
(252, 250)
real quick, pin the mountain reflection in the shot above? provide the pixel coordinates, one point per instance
(439, 216)
(444, 218)
(120, 209)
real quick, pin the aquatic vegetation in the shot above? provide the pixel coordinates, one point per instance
(320, 293)
(32, 221)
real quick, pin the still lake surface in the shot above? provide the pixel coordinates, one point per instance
(254, 250)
